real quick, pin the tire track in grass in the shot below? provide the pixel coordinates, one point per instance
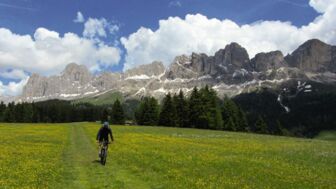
(117, 176)
(77, 158)
(83, 170)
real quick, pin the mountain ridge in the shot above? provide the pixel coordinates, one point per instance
(230, 71)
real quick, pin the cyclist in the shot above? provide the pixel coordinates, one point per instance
(102, 135)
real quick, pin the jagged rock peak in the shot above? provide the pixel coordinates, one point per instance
(75, 72)
(313, 43)
(238, 51)
(34, 77)
(234, 45)
(182, 59)
(266, 61)
(154, 69)
(73, 67)
(232, 57)
(313, 56)
(181, 67)
(35, 85)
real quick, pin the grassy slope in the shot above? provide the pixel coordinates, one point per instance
(106, 98)
(152, 157)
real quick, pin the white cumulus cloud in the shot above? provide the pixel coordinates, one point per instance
(322, 5)
(197, 33)
(13, 74)
(79, 18)
(175, 4)
(94, 27)
(47, 53)
(13, 88)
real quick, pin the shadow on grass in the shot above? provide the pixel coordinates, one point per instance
(96, 161)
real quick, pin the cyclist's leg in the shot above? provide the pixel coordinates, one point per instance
(100, 145)
(105, 143)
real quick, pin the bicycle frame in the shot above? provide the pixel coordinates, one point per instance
(103, 152)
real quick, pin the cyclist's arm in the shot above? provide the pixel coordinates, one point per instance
(98, 134)
(111, 135)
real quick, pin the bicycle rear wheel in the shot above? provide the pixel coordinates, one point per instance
(103, 157)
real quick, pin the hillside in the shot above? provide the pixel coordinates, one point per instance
(101, 99)
(65, 156)
(304, 113)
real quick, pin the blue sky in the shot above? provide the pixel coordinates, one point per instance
(24, 16)
(194, 26)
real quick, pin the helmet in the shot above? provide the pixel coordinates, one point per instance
(106, 124)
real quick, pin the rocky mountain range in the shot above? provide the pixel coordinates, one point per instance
(230, 71)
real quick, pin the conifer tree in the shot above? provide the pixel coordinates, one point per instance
(2, 110)
(168, 115)
(230, 111)
(229, 124)
(181, 106)
(27, 112)
(117, 115)
(197, 114)
(18, 112)
(104, 115)
(211, 107)
(242, 120)
(147, 112)
(9, 115)
(261, 125)
(282, 130)
(152, 115)
(218, 124)
(36, 114)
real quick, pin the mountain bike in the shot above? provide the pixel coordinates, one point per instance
(103, 152)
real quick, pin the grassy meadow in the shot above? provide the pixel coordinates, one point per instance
(103, 99)
(66, 156)
(326, 135)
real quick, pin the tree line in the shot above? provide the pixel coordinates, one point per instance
(59, 111)
(309, 113)
(202, 109)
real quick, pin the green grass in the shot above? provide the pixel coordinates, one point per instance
(326, 135)
(104, 99)
(30, 155)
(65, 156)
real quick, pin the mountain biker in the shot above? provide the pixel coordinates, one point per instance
(104, 131)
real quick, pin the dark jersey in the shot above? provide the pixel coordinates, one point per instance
(103, 133)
